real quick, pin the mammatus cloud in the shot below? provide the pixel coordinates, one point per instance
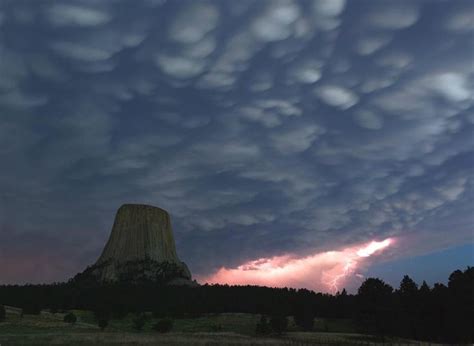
(329, 271)
(71, 15)
(393, 15)
(337, 96)
(264, 127)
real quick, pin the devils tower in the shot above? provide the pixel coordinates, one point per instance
(140, 248)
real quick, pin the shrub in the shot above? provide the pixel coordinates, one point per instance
(70, 318)
(102, 316)
(163, 326)
(216, 327)
(102, 322)
(139, 322)
(2, 313)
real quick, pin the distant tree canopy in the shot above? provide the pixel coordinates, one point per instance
(441, 313)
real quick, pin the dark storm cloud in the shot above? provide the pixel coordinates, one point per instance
(263, 127)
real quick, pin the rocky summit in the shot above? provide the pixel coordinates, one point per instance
(141, 248)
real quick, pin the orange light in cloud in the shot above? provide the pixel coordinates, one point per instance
(326, 271)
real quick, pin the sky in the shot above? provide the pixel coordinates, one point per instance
(275, 132)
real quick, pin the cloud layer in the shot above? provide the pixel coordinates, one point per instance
(264, 127)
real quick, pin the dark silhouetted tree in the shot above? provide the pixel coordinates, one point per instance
(426, 316)
(461, 305)
(374, 301)
(408, 289)
(408, 319)
(303, 309)
(424, 290)
(439, 310)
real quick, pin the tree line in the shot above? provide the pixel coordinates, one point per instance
(442, 313)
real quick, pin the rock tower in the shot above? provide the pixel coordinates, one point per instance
(140, 248)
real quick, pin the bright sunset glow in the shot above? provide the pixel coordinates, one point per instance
(326, 271)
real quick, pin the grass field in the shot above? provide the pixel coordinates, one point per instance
(209, 329)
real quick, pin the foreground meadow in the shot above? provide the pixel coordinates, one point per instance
(210, 329)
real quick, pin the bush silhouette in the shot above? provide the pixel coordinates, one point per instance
(163, 326)
(216, 327)
(103, 322)
(102, 315)
(70, 318)
(139, 322)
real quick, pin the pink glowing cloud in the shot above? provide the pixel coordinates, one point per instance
(373, 247)
(325, 271)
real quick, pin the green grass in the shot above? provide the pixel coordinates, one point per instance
(330, 325)
(236, 323)
(208, 329)
(46, 322)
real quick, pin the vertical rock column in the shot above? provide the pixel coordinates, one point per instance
(140, 233)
